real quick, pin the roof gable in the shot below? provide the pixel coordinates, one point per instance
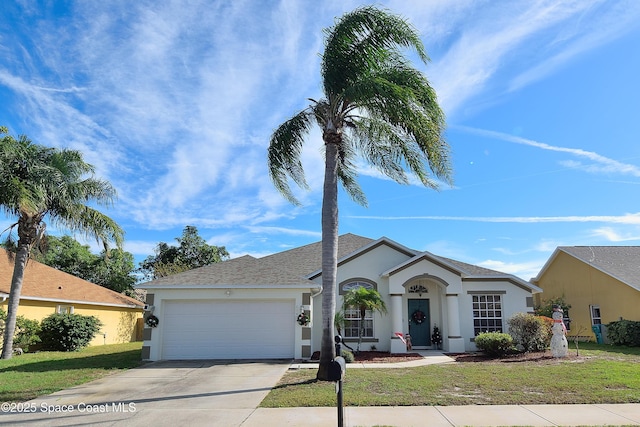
(299, 266)
(619, 262)
(45, 283)
(467, 272)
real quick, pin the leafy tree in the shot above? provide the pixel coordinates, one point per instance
(113, 269)
(546, 306)
(68, 255)
(38, 183)
(376, 107)
(192, 252)
(364, 300)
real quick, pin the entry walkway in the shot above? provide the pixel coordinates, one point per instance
(429, 357)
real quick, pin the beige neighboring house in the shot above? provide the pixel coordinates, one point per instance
(46, 290)
(601, 283)
(247, 308)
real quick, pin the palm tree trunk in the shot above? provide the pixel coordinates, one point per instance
(329, 258)
(14, 299)
(361, 328)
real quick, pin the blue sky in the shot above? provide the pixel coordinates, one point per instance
(174, 103)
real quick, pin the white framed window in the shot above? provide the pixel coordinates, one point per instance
(596, 319)
(487, 313)
(352, 323)
(64, 309)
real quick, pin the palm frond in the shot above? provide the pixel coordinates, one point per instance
(347, 172)
(285, 148)
(358, 41)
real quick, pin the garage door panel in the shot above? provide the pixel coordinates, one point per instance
(230, 329)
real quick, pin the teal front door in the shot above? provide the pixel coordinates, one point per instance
(419, 322)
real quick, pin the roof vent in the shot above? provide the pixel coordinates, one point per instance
(59, 287)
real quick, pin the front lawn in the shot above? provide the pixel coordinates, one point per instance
(601, 374)
(35, 374)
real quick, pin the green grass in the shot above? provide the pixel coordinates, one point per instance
(35, 374)
(602, 374)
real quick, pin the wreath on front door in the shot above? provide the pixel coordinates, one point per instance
(418, 317)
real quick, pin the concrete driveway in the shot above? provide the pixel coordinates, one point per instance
(190, 393)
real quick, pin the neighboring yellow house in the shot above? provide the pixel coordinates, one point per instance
(601, 283)
(46, 290)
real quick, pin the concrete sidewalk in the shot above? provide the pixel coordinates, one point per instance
(447, 416)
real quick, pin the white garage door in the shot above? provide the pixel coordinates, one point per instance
(230, 329)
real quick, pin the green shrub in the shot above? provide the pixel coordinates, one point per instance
(348, 356)
(624, 332)
(27, 333)
(529, 332)
(494, 343)
(68, 332)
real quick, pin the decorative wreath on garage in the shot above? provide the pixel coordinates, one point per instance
(303, 319)
(152, 321)
(418, 317)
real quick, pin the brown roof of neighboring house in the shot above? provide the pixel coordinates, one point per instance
(45, 283)
(620, 262)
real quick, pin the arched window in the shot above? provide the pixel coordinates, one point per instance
(345, 287)
(352, 314)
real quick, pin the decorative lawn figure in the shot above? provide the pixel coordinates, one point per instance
(559, 344)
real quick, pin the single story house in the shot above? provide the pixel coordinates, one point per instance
(600, 283)
(248, 307)
(46, 290)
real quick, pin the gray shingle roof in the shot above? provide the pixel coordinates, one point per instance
(289, 267)
(621, 262)
(471, 269)
(292, 267)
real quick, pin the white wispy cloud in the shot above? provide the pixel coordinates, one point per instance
(501, 31)
(612, 235)
(598, 22)
(601, 164)
(620, 219)
(174, 102)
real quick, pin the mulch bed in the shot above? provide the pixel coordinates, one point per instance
(385, 357)
(541, 357)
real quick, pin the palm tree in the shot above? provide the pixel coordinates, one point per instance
(376, 107)
(364, 300)
(38, 183)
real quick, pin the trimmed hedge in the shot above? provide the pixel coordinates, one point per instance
(624, 332)
(494, 343)
(68, 332)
